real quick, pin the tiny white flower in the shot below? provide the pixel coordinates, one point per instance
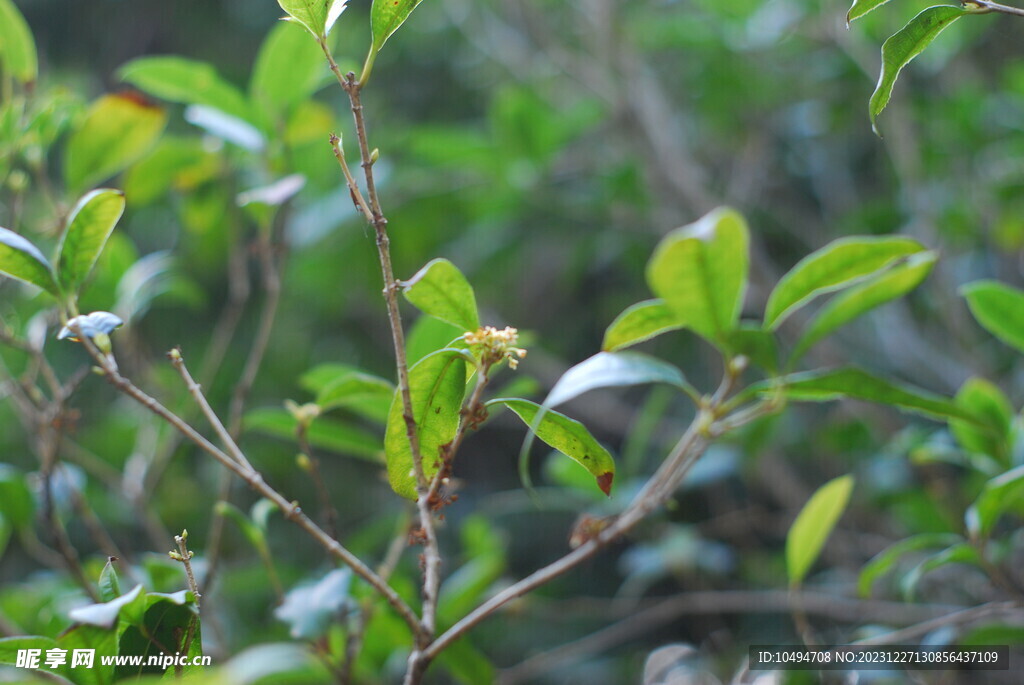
(90, 325)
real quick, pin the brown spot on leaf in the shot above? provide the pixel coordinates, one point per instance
(604, 481)
(137, 98)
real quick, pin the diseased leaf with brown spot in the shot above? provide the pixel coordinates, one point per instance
(568, 436)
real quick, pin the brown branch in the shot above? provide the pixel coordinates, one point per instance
(290, 510)
(185, 557)
(984, 7)
(654, 493)
(431, 554)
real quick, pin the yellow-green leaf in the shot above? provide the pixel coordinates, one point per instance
(813, 525)
(839, 264)
(986, 401)
(639, 322)
(999, 309)
(700, 272)
(437, 384)
(22, 260)
(89, 226)
(890, 285)
(828, 385)
(568, 436)
(314, 15)
(117, 131)
(186, 81)
(440, 290)
(905, 45)
(861, 7)
(386, 17)
(17, 47)
(274, 89)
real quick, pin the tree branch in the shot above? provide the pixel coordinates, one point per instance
(236, 463)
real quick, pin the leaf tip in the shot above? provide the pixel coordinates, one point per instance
(604, 481)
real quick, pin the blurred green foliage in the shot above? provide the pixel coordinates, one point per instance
(545, 148)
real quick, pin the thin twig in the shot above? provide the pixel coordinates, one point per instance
(984, 7)
(185, 557)
(653, 495)
(290, 510)
(431, 549)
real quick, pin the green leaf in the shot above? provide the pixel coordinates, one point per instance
(186, 81)
(882, 562)
(905, 45)
(467, 664)
(440, 290)
(322, 375)
(5, 534)
(437, 384)
(427, 335)
(639, 322)
(110, 587)
(862, 7)
(386, 16)
(958, 553)
(999, 494)
(824, 386)
(484, 553)
(700, 272)
(102, 640)
(116, 132)
(252, 532)
(275, 89)
(323, 433)
(610, 369)
(985, 401)
(993, 634)
(16, 502)
(10, 646)
(839, 264)
(316, 16)
(22, 260)
(89, 226)
(568, 436)
(813, 525)
(177, 163)
(359, 392)
(999, 309)
(17, 47)
(168, 623)
(889, 285)
(311, 608)
(105, 615)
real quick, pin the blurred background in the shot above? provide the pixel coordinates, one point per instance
(545, 147)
